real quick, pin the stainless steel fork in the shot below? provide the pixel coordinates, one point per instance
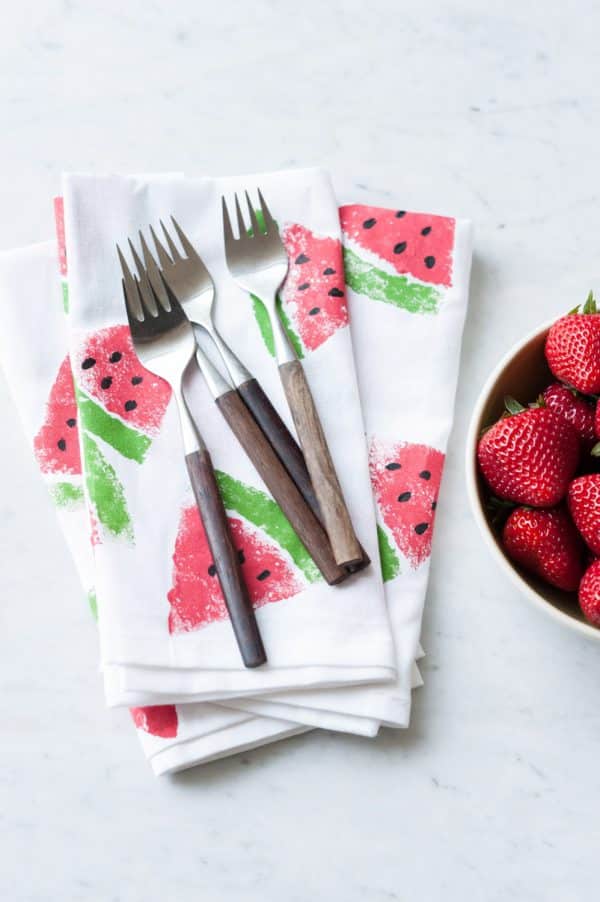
(258, 261)
(164, 341)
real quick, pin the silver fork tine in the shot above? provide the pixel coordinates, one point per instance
(240, 218)
(269, 221)
(165, 260)
(154, 274)
(185, 241)
(132, 299)
(172, 246)
(227, 230)
(256, 229)
(149, 301)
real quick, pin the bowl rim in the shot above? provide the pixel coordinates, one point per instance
(472, 491)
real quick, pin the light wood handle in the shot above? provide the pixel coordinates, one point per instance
(225, 557)
(336, 519)
(281, 485)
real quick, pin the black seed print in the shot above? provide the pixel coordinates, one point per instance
(433, 505)
(62, 444)
(106, 382)
(400, 247)
(212, 570)
(241, 557)
(130, 405)
(393, 466)
(115, 356)
(369, 223)
(314, 311)
(405, 496)
(136, 380)
(429, 262)
(425, 474)
(302, 258)
(88, 363)
(426, 230)
(420, 528)
(71, 422)
(335, 293)
(329, 271)
(304, 286)
(400, 214)
(263, 575)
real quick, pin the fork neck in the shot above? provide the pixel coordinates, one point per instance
(192, 440)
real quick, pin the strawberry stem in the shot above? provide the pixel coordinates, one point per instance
(590, 304)
(595, 452)
(512, 405)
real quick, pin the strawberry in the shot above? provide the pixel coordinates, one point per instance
(529, 456)
(584, 507)
(577, 411)
(546, 543)
(589, 594)
(573, 348)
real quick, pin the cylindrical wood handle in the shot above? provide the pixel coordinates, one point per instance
(336, 519)
(280, 484)
(287, 450)
(225, 557)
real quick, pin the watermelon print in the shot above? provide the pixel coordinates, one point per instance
(56, 445)
(108, 370)
(196, 598)
(406, 480)
(159, 720)
(106, 494)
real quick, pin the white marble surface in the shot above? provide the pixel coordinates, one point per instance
(483, 110)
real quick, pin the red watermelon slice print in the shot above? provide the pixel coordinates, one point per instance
(196, 598)
(406, 480)
(159, 720)
(56, 445)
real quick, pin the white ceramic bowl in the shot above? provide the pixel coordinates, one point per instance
(522, 373)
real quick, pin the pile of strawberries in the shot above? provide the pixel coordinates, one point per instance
(542, 462)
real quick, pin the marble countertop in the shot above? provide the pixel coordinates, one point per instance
(491, 114)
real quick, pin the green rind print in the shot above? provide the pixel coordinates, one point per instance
(93, 603)
(263, 512)
(105, 491)
(291, 334)
(66, 494)
(264, 324)
(390, 564)
(65, 297)
(374, 283)
(127, 441)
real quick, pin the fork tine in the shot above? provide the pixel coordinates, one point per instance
(185, 241)
(269, 221)
(154, 274)
(227, 230)
(172, 246)
(147, 295)
(164, 259)
(132, 298)
(240, 219)
(256, 229)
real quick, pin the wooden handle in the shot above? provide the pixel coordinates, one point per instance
(225, 557)
(287, 450)
(280, 484)
(336, 519)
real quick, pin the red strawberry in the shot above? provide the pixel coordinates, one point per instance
(589, 594)
(573, 348)
(546, 543)
(584, 506)
(576, 410)
(529, 456)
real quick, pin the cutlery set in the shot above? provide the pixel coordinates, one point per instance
(170, 302)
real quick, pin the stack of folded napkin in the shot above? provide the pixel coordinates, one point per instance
(374, 304)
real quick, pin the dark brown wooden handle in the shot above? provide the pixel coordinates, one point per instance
(281, 485)
(336, 519)
(287, 449)
(225, 557)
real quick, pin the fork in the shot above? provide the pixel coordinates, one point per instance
(258, 261)
(197, 289)
(164, 341)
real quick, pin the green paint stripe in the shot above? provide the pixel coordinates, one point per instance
(381, 286)
(390, 565)
(93, 603)
(291, 334)
(264, 323)
(65, 494)
(105, 491)
(65, 297)
(262, 511)
(127, 441)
